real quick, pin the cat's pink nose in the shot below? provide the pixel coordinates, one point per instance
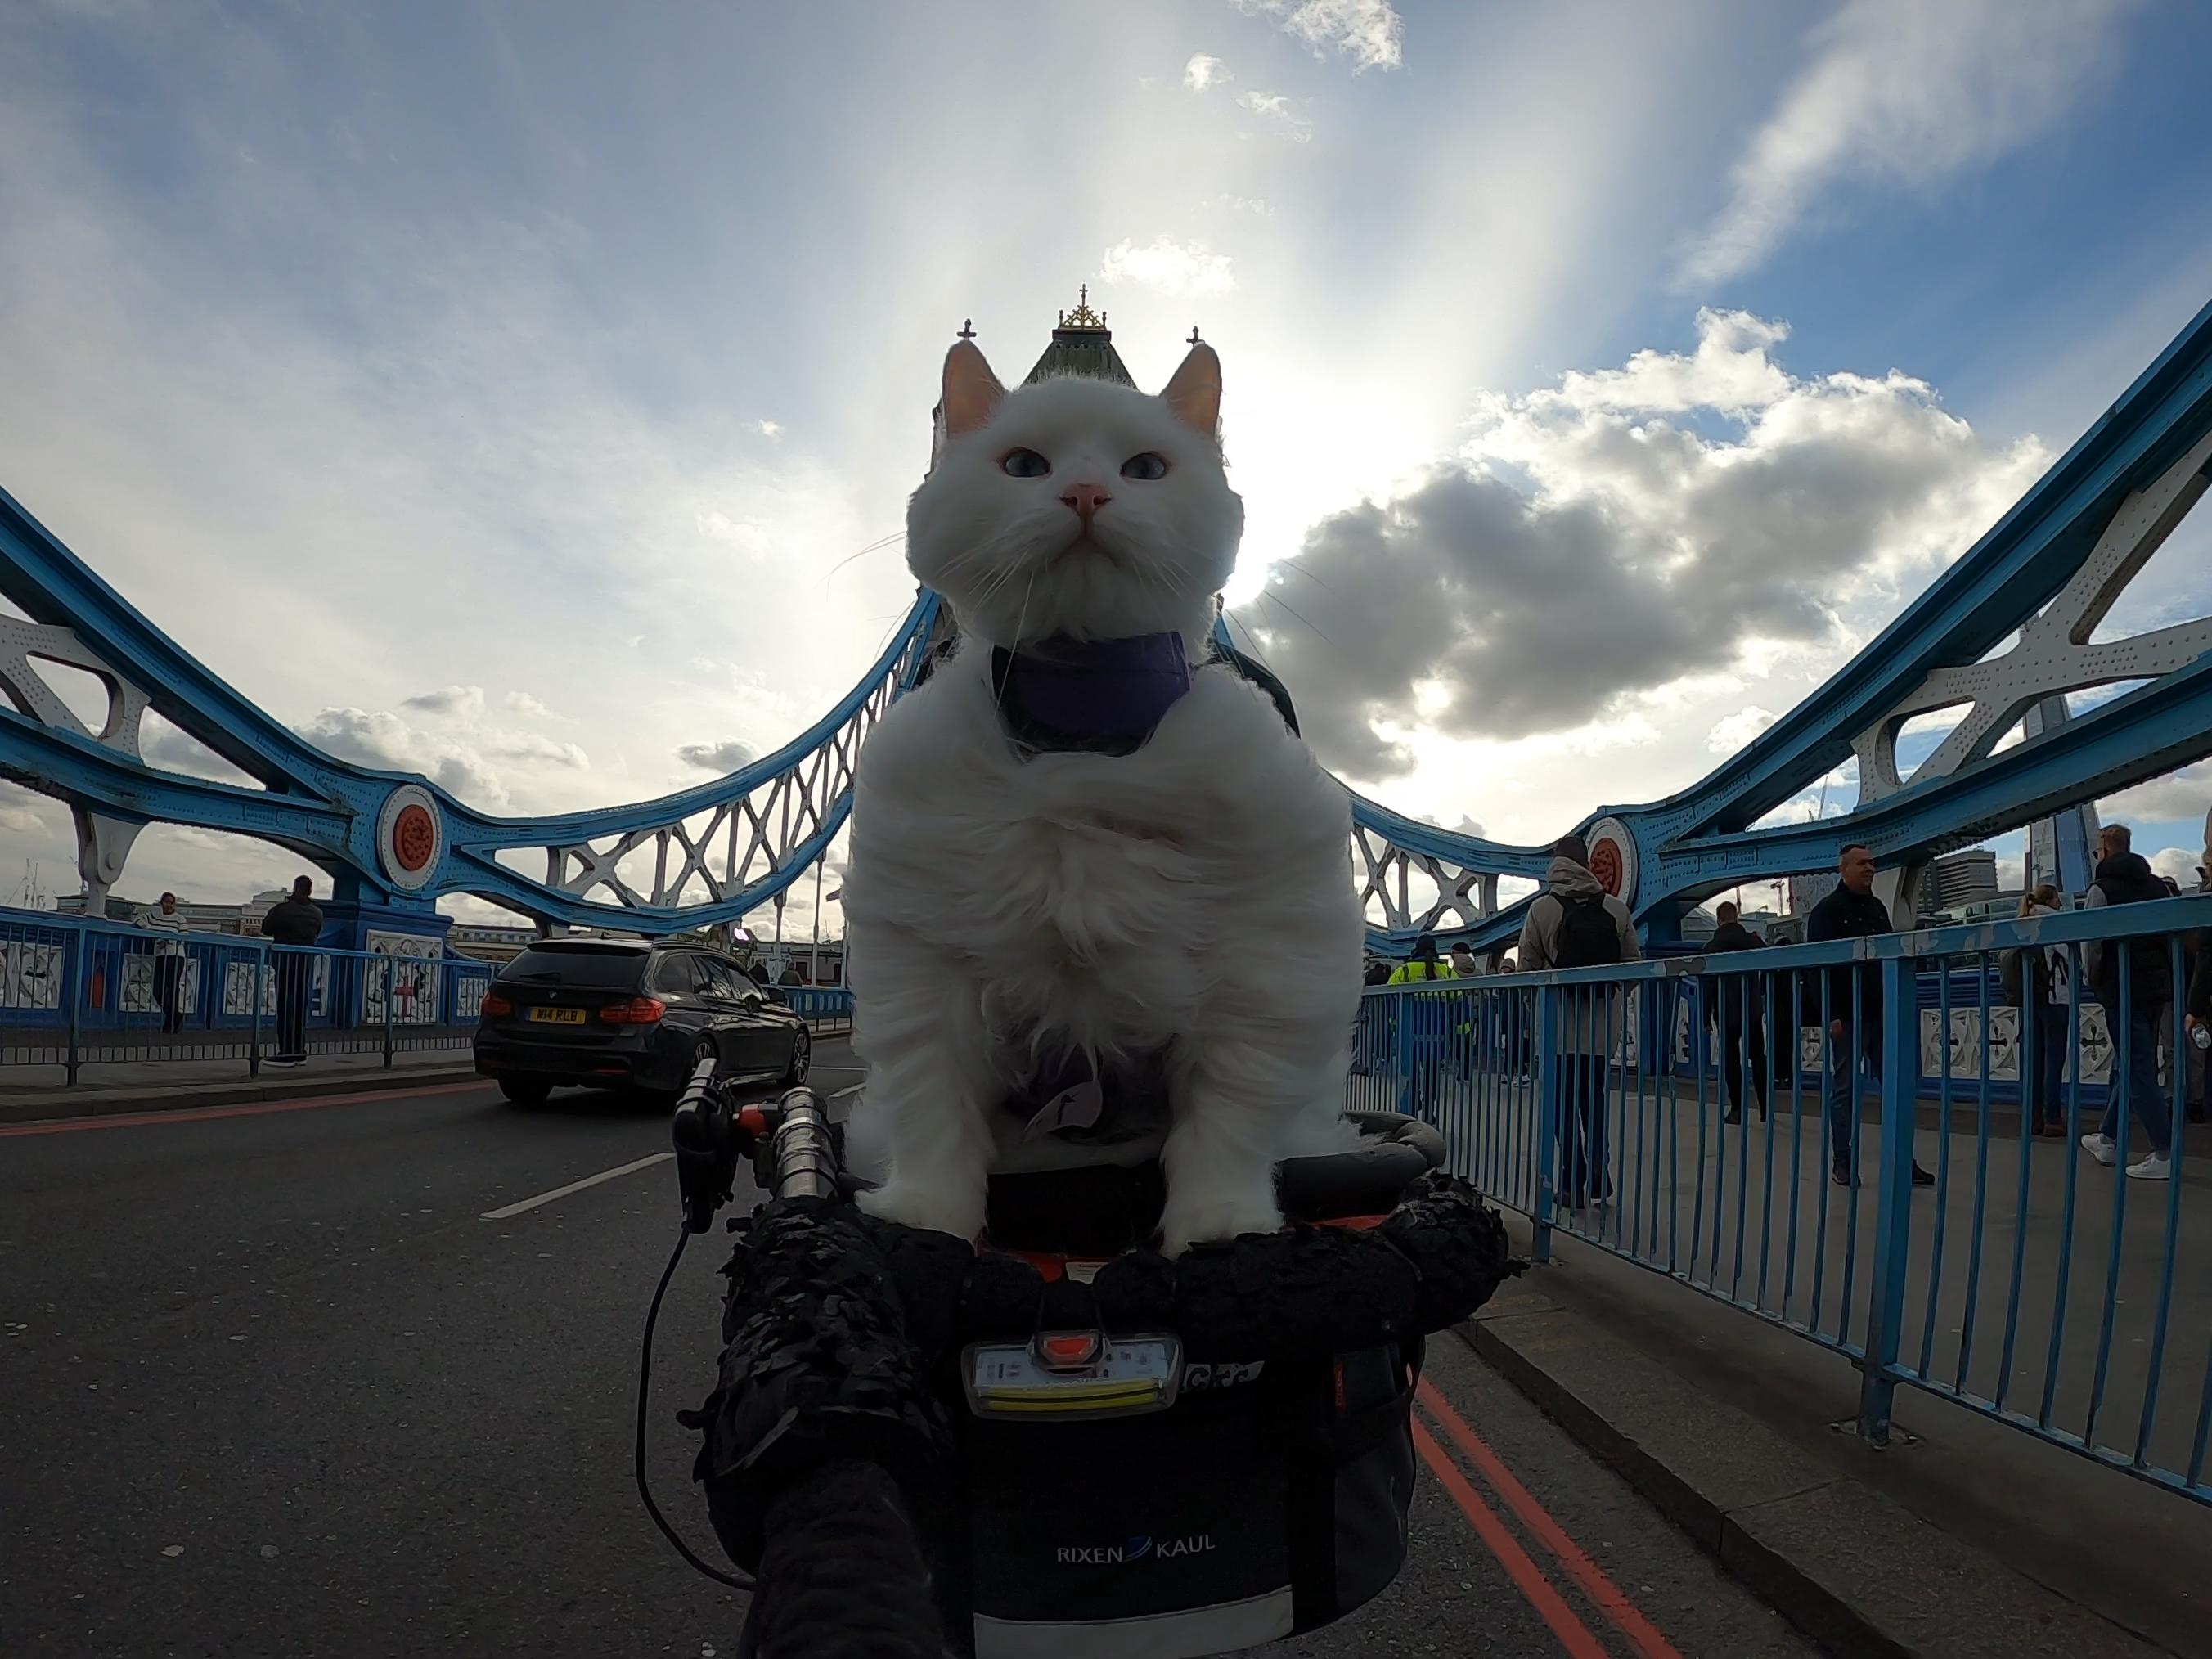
(1085, 499)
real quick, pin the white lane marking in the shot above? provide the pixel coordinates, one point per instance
(840, 1094)
(516, 1208)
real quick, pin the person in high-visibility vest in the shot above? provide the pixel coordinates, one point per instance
(1422, 965)
(1427, 1042)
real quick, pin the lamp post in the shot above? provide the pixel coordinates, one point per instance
(814, 969)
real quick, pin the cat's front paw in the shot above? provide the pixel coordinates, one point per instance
(911, 1204)
(1214, 1220)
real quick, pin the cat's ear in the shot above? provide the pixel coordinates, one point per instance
(1194, 396)
(972, 392)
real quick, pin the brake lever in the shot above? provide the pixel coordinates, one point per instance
(708, 1140)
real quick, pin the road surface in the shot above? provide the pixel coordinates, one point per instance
(354, 1376)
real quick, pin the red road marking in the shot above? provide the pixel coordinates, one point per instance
(1608, 1597)
(1573, 1634)
(69, 1125)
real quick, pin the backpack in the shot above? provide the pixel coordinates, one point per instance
(1588, 936)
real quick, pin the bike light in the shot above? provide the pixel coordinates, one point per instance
(1120, 1377)
(1067, 1351)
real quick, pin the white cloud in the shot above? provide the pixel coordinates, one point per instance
(2179, 863)
(1735, 731)
(22, 821)
(530, 746)
(1169, 266)
(747, 538)
(461, 703)
(2186, 794)
(381, 738)
(1369, 32)
(1904, 93)
(1288, 119)
(1205, 70)
(1583, 554)
(1258, 206)
(1730, 370)
(522, 703)
(767, 428)
(728, 755)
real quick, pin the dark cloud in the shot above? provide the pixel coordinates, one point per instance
(727, 756)
(464, 701)
(1584, 554)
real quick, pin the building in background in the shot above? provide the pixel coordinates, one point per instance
(1957, 880)
(489, 943)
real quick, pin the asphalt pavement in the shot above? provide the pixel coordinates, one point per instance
(355, 1376)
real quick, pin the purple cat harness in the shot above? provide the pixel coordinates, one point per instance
(1089, 696)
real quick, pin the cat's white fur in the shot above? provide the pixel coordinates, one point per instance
(1191, 897)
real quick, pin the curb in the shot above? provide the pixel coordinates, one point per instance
(184, 1096)
(1849, 1567)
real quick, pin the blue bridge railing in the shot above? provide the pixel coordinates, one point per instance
(1750, 1124)
(75, 991)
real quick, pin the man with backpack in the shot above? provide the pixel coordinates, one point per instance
(1854, 1011)
(2124, 876)
(1575, 923)
(1736, 1004)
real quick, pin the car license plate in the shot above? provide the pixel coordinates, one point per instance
(558, 1016)
(1132, 1375)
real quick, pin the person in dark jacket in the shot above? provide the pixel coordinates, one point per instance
(1852, 911)
(1736, 1002)
(2124, 876)
(298, 921)
(2038, 982)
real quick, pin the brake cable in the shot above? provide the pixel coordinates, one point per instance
(735, 1581)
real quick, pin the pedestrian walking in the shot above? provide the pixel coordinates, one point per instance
(295, 925)
(1575, 923)
(2124, 876)
(1855, 1016)
(167, 920)
(2040, 983)
(1736, 1005)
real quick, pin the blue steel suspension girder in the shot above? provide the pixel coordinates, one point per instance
(2013, 570)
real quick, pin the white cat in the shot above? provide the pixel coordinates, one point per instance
(1188, 900)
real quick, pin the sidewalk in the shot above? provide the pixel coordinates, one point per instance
(28, 1093)
(1964, 1537)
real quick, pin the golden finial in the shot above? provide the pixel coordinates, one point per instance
(1194, 335)
(1083, 316)
(967, 329)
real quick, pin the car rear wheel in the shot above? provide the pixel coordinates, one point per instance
(802, 1055)
(524, 1092)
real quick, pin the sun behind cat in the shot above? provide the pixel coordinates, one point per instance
(1082, 849)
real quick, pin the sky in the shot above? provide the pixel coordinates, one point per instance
(525, 394)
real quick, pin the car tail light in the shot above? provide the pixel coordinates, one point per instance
(494, 1005)
(638, 1010)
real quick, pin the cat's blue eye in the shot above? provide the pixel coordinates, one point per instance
(1025, 463)
(1148, 465)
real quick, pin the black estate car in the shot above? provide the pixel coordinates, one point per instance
(625, 1014)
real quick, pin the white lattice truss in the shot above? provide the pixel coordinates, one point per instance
(1404, 892)
(742, 840)
(2053, 654)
